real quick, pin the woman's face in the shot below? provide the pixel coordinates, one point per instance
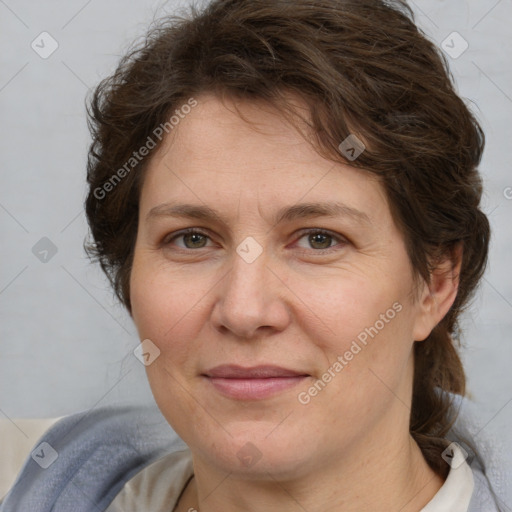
(295, 266)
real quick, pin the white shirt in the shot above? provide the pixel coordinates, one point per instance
(456, 492)
(157, 487)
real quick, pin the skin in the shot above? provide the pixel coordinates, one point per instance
(299, 305)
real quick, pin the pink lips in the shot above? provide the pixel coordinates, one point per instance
(253, 383)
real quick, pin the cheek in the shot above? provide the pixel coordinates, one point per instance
(165, 311)
(368, 325)
(337, 311)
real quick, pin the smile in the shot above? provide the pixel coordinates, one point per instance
(255, 383)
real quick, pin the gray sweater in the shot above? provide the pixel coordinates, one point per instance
(98, 451)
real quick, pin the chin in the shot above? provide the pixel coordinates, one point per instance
(254, 454)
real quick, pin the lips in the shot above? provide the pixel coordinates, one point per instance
(229, 371)
(253, 383)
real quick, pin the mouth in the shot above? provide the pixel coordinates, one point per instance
(255, 383)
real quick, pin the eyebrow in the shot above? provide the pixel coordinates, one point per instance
(285, 214)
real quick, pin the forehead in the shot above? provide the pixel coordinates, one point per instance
(217, 125)
(213, 155)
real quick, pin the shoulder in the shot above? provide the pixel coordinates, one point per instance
(487, 457)
(483, 497)
(90, 456)
(157, 486)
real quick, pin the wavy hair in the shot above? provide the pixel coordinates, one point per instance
(361, 67)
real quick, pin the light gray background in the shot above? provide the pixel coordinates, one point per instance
(65, 345)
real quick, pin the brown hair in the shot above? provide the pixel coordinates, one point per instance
(362, 67)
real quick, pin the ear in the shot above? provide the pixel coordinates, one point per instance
(437, 296)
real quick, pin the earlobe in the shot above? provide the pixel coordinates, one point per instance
(438, 296)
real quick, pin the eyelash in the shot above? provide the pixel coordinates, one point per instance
(317, 231)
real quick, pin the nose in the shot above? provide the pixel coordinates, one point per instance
(251, 300)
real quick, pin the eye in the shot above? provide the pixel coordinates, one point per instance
(321, 240)
(317, 239)
(192, 239)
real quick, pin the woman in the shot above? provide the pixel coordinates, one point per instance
(285, 197)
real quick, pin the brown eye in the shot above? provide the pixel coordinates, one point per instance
(320, 240)
(194, 240)
(191, 239)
